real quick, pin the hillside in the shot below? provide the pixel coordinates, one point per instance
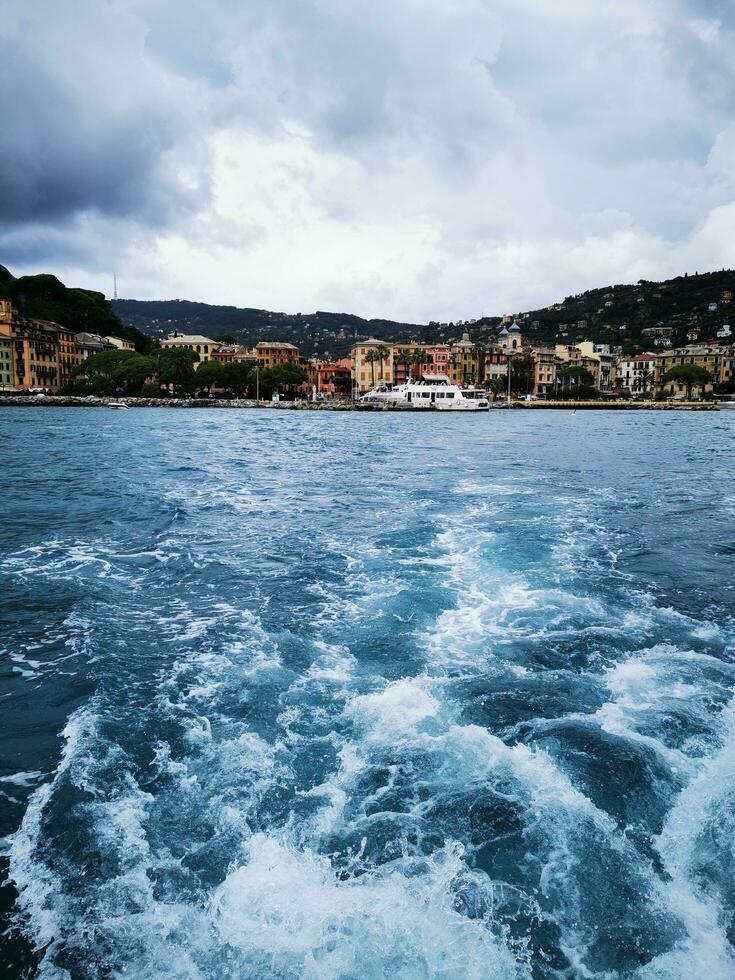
(328, 334)
(45, 297)
(614, 315)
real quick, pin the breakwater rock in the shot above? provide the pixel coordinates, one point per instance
(92, 401)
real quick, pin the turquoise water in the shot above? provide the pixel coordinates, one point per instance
(362, 696)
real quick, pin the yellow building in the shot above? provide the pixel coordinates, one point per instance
(366, 372)
(462, 362)
(203, 347)
(34, 351)
(269, 353)
(713, 359)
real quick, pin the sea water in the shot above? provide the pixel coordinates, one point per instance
(328, 695)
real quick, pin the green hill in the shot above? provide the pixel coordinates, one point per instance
(44, 297)
(615, 315)
(618, 314)
(319, 332)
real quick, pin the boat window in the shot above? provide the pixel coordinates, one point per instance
(449, 394)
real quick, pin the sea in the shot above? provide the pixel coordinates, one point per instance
(367, 695)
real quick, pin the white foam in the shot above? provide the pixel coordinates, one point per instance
(287, 909)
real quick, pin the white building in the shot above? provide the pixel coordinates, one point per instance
(630, 370)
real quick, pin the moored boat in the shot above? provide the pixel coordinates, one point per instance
(432, 391)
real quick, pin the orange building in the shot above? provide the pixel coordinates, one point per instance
(34, 347)
(269, 353)
(69, 355)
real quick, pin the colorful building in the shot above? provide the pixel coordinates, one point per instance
(69, 355)
(463, 366)
(436, 361)
(709, 357)
(269, 353)
(34, 353)
(366, 372)
(329, 379)
(544, 371)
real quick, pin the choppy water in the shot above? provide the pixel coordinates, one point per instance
(348, 696)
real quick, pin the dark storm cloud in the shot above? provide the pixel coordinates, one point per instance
(71, 142)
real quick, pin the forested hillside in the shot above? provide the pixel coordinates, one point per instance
(44, 297)
(616, 315)
(318, 332)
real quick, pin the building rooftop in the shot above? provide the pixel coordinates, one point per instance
(184, 338)
(278, 344)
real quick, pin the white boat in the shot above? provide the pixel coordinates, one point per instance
(117, 405)
(726, 401)
(433, 391)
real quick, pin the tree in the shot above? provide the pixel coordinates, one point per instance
(418, 358)
(110, 370)
(224, 338)
(209, 374)
(370, 358)
(497, 386)
(175, 366)
(383, 353)
(521, 373)
(689, 375)
(239, 376)
(643, 381)
(403, 356)
(577, 378)
(282, 376)
(480, 352)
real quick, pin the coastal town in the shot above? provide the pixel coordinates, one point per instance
(40, 356)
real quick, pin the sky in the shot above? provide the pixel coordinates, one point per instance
(411, 159)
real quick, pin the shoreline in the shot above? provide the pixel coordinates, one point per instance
(92, 401)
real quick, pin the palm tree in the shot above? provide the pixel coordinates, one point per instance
(480, 352)
(643, 381)
(403, 356)
(370, 358)
(383, 353)
(418, 357)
